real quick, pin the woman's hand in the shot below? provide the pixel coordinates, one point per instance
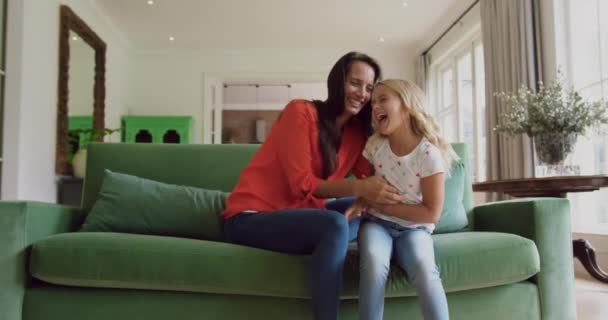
(377, 190)
(353, 211)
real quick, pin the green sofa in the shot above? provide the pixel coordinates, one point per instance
(513, 262)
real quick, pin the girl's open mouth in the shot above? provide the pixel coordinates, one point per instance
(382, 120)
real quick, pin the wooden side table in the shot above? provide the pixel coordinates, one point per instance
(555, 187)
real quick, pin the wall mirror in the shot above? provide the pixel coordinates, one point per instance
(81, 85)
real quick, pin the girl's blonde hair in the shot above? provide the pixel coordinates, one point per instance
(421, 122)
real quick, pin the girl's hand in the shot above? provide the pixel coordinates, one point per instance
(377, 190)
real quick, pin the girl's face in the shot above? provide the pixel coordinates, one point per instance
(358, 87)
(388, 112)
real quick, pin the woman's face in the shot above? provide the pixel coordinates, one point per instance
(388, 112)
(358, 87)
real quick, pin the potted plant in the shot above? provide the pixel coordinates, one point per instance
(553, 117)
(78, 139)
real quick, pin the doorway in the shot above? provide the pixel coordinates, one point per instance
(241, 108)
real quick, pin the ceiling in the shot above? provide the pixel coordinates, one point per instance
(238, 24)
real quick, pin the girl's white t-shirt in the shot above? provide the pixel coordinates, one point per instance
(404, 173)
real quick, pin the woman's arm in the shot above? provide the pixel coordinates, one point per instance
(295, 160)
(374, 189)
(428, 211)
(295, 125)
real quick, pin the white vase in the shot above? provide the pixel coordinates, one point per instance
(79, 163)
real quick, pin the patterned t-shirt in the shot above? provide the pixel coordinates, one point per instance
(404, 172)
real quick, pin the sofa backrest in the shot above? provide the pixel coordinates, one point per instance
(205, 166)
(215, 167)
(467, 198)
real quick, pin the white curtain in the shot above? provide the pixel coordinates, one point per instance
(511, 53)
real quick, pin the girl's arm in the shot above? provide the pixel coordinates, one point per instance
(428, 211)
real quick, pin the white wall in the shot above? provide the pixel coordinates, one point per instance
(171, 83)
(31, 92)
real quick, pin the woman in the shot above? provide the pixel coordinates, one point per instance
(279, 201)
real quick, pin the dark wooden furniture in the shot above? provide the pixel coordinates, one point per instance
(69, 191)
(555, 187)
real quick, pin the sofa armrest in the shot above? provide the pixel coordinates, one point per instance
(546, 221)
(21, 224)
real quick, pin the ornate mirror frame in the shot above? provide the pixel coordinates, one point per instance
(70, 21)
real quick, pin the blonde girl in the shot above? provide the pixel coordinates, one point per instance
(409, 153)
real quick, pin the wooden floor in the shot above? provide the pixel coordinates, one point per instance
(591, 298)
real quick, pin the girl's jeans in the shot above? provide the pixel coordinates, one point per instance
(324, 234)
(413, 251)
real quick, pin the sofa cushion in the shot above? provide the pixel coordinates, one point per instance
(453, 216)
(466, 261)
(131, 204)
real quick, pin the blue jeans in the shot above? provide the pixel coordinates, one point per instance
(324, 234)
(413, 251)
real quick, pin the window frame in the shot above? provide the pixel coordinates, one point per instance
(466, 46)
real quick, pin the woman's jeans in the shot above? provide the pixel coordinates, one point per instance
(413, 251)
(324, 234)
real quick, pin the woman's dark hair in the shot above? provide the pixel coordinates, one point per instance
(330, 136)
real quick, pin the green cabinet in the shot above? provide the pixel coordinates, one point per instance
(156, 129)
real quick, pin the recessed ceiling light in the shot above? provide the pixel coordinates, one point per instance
(381, 39)
(171, 39)
(75, 38)
(405, 4)
(150, 2)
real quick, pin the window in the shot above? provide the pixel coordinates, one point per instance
(480, 114)
(447, 114)
(457, 92)
(586, 57)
